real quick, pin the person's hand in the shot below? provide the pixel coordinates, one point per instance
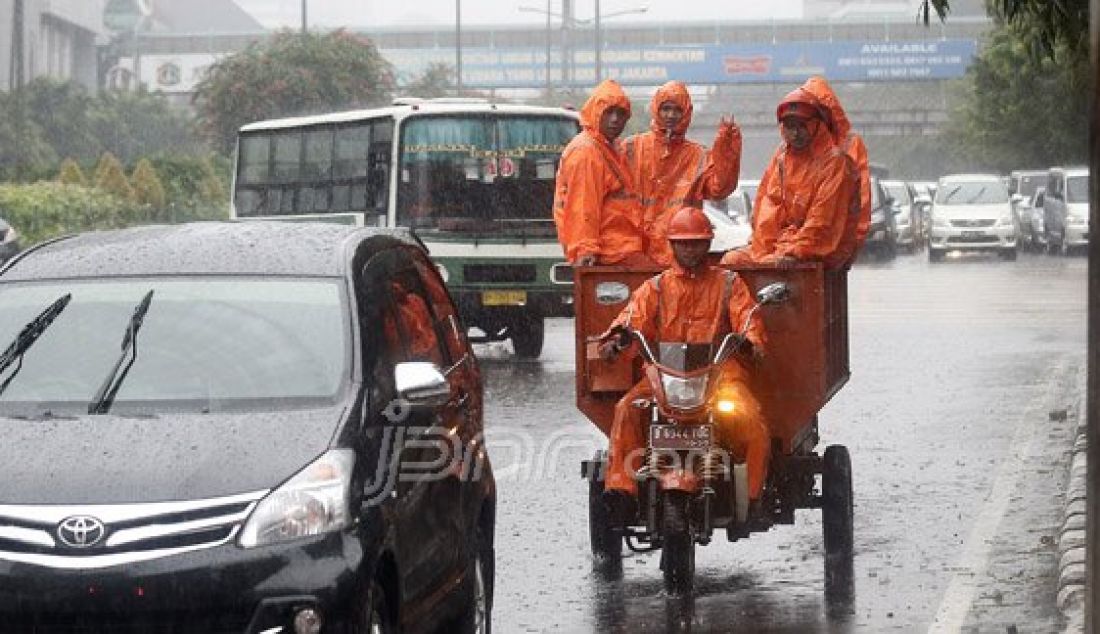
(609, 350)
(726, 121)
(586, 260)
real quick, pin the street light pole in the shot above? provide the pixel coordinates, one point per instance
(458, 44)
(549, 83)
(305, 18)
(599, 43)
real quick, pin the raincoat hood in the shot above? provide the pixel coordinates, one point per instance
(838, 119)
(608, 94)
(676, 92)
(802, 103)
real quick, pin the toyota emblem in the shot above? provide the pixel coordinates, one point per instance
(81, 531)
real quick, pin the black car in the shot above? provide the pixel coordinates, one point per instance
(9, 241)
(210, 428)
(882, 235)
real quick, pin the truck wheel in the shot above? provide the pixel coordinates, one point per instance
(837, 518)
(607, 545)
(528, 334)
(678, 551)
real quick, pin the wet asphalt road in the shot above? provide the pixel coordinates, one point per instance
(958, 471)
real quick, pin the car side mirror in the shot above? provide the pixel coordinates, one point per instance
(420, 383)
(1016, 199)
(773, 293)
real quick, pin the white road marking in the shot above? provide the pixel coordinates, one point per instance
(972, 565)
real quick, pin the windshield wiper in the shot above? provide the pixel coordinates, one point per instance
(105, 396)
(28, 335)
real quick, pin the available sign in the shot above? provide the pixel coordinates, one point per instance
(710, 64)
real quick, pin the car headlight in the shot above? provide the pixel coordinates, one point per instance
(314, 501)
(901, 218)
(684, 393)
(940, 221)
(1076, 220)
(1006, 220)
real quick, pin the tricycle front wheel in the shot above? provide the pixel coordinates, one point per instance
(678, 549)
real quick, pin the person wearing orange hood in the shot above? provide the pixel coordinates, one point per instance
(672, 172)
(805, 196)
(596, 207)
(698, 303)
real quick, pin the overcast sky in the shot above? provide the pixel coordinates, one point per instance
(365, 13)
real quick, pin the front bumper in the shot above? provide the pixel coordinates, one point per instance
(995, 237)
(221, 589)
(1077, 235)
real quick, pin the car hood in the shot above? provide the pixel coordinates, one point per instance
(994, 211)
(112, 459)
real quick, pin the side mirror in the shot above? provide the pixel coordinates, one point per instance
(1016, 199)
(773, 293)
(420, 383)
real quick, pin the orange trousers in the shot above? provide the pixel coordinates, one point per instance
(743, 432)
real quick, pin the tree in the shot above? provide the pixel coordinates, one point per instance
(148, 189)
(71, 174)
(437, 81)
(291, 74)
(110, 177)
(135, 124)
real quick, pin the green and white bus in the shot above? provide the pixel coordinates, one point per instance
(473, 179)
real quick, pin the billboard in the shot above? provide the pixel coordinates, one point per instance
(789, 62)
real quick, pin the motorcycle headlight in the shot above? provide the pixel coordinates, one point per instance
(314, 501)
(684, 393)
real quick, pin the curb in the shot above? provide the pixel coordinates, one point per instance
(1071, 541)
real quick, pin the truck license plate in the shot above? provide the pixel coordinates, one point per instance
(504, 298)
(681, 437)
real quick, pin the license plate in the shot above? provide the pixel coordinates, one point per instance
(681, 437)
(503, 298)
(973, 234)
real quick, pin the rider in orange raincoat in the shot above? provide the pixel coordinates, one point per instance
(691, 302)
(805, 199)
(411, 326)
(596, 207)
(671, 172)
(859, 218)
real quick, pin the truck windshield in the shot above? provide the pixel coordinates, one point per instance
(481, 175)
(206, 344)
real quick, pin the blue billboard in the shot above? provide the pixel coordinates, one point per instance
(705, 64)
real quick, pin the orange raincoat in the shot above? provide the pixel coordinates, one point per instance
(859, 218)
(803, 203)
(678, 305)
(596, 209)
(671, 172)
(411, 327)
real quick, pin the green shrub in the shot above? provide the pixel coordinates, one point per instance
(71, 174)
(110, 177)
(147, 187)
(44, 210)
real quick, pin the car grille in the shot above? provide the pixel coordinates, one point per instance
(119, 534)
(973, 223)
(502, 273)
(981, 239)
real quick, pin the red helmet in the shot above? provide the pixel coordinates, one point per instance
(690, 223)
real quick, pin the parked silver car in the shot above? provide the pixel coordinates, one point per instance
(1066, 209)
(972, 212)
(9, 241)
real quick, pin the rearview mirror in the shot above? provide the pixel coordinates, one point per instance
(421, 383)
(773, 293)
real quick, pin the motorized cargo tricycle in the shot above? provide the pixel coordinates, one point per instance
(689, 485)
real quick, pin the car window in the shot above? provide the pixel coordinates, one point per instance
(204, 345)
(971, 193)
(1077, 189)
(409, 325)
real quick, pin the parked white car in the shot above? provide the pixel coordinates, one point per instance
(1066, 209)
(972, 212)
(729, 233)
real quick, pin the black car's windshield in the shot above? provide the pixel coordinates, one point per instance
(481, 175)
(971, 193)
(206, 344)
(1077, 189)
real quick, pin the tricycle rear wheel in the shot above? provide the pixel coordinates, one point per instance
(838, 514)
(607, 544)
